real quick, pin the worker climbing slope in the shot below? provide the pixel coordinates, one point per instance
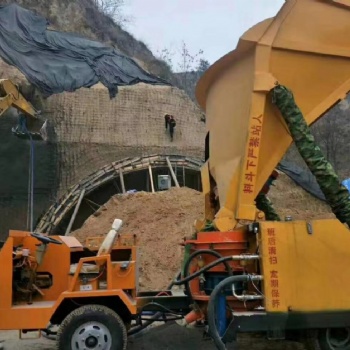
(170, 121)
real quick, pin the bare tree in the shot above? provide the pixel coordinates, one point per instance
(202, 66)
(167, 56)
(188, 60)
(187, 66)
(327, 131)
(113, 9)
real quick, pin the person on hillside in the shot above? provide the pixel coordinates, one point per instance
(166, 117)
(172, 124)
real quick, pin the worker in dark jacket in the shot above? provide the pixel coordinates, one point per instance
(166, 117)
(172, 124)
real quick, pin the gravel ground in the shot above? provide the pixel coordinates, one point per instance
(166, 337)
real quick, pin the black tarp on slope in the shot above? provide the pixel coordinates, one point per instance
(55, 62)
(304, 178)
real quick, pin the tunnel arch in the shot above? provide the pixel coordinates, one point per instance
(99, 186)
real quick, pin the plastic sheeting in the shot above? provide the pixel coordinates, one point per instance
(55, 62)
(303, 178)
(346, 183)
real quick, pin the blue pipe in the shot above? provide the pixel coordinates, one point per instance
(221, 314)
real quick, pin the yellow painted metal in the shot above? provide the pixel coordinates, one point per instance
(305, 47)
(112, 281)
(206, 190)
(11, 97)
(304, 268)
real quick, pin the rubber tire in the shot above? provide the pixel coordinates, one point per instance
(86, 313)
(316, 340)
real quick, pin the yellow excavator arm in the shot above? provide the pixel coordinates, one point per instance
(11, 97)
(305, 47)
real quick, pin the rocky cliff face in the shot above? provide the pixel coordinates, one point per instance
(84, 18)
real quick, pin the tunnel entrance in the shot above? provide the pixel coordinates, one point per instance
(127, 175)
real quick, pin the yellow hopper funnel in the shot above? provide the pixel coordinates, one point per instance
(306, 47)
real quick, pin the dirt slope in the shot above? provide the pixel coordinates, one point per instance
(291, 200)
(160, 220)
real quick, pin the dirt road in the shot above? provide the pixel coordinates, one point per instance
(167, 337)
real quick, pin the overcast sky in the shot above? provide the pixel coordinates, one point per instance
(213, 26)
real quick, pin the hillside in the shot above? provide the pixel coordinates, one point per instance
(83, 17)
(331, 134)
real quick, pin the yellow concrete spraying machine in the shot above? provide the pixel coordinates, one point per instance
(255, 271)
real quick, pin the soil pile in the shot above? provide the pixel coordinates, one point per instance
(289, 199)
(162, 219)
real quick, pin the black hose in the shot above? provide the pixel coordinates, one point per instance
(202, 252)
(212, 311)
(155, 317)
(160, 306)
(202, 270)
(177, 282)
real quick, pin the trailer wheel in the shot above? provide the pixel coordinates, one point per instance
(92, 327)
(329, 339)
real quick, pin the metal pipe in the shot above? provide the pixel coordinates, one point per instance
(121, 178)
(75, 213)
(248, 297)
(172, 172)
(151, 177)
(213, 329)
(245, 257)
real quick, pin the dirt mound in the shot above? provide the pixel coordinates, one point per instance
(160, 220)
(290, 199)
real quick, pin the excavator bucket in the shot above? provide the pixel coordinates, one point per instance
(35, 130)
(30, 126)
(305, 47)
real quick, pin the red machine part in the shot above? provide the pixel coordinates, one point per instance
(226, 244)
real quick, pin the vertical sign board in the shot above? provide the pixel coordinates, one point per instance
(275, 266)
(274, 295)
(246, 208)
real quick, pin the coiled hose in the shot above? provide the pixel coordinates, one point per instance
(155, 317)
(186, 281)
(202, 252)
(202, 270)
(213, 330)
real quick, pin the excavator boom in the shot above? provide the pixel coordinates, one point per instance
(305, 47)
(10, 96)
(13, 98)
